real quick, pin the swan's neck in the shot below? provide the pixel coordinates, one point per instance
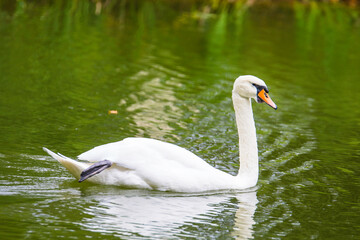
(249, 163)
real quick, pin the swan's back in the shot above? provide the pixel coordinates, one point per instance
(132, 151)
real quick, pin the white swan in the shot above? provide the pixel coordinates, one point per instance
(152, 164)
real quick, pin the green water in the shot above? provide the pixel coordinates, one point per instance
(168, 69)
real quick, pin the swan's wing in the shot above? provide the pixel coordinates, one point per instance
(135, 153)
(152, 164)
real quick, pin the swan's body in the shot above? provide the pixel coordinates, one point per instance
(152, 164)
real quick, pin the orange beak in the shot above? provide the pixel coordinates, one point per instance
(266, 98)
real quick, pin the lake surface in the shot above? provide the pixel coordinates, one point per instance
(168, 69)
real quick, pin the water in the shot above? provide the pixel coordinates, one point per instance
(168, 69)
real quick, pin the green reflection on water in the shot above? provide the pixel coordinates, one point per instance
(168, 69)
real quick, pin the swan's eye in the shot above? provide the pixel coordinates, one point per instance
(259, 88)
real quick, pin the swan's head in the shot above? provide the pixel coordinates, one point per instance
(249, 86)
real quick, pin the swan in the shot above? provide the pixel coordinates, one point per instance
(156, 165)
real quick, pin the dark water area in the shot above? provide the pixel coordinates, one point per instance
(168, 69)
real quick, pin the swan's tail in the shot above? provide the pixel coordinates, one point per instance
(74, 167)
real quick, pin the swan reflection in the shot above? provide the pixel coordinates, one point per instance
(163, 215)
